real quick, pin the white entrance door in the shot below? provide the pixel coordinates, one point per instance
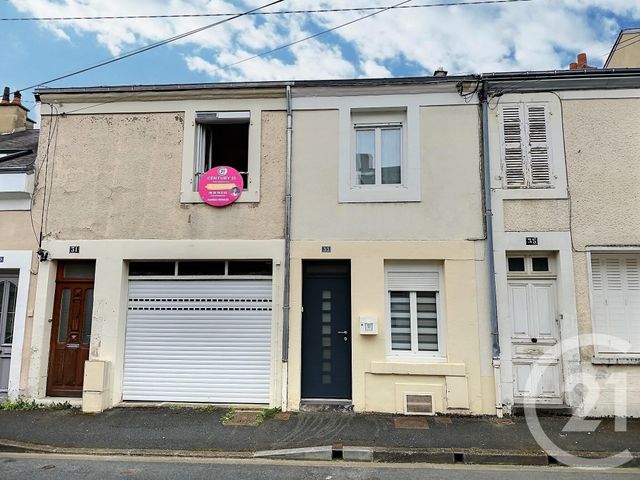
(537, 366)
(8, 296)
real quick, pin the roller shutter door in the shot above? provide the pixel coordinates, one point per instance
(198, 341)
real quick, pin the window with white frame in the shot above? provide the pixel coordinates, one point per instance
(380, 155)
(413, 309)
(615, 296)
(222, 139)
(525, 145)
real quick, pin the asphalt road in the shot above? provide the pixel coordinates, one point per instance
(64, 467)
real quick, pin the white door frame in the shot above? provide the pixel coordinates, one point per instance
(18, 260)
(560, 244)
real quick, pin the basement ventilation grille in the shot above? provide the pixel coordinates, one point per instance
(418, 404)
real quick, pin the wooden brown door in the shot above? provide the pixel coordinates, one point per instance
(71, 328)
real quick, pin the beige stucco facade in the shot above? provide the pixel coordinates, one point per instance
(443, 227)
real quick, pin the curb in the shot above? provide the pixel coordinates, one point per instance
(11, 446)
(470, 456)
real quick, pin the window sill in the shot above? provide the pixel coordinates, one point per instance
(379, 194)
(616, 360)
(557, 193)
(246, 197)
(430, 366)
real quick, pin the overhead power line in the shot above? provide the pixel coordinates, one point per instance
(151, 46)
(278, 12)
(247, 13)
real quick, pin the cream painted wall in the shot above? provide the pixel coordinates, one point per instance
(17, 234)
(602, 140)
(119, 176)
(538, 215)
(451, 206)
(376, 374)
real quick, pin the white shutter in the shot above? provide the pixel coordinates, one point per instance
(538, 149)
(198, 341)
(615, 284)
(512, 151)
(413, 281)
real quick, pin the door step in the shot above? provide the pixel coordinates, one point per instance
(544, 410)
(325, 405)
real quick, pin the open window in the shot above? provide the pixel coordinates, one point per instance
(222, 139)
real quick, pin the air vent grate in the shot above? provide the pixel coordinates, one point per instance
(418, 404)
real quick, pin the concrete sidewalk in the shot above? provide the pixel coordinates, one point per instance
(194, 431)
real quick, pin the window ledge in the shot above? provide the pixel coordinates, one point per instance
(615, 360)
(433, 366)
(246, 197)
(557, 193)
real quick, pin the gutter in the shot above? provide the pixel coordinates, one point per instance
(488, 215)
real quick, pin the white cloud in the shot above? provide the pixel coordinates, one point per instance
(535, 35)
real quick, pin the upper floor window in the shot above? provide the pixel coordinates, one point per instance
(525, 145)
(380, 156)
(222, 139)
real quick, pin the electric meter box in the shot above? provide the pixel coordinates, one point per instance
(368, 325)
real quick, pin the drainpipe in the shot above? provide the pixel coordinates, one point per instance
(287, 255)
(488, 213)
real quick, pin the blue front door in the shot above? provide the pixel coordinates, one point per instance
(326, 330)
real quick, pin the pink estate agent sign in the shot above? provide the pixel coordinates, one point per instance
(220, 186)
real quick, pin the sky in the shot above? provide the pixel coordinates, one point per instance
(514, 36)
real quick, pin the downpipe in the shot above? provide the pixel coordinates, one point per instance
(488, 215)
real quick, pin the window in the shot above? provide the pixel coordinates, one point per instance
(380, 155)
(201, 268)
(222, 139)
(615, 295)
(525, 145)
(538, 265)
(414, 314)
(226, 132)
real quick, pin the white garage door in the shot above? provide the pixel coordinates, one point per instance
(198, 341)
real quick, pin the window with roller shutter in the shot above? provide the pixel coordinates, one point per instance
(526, 160)
(615, 294)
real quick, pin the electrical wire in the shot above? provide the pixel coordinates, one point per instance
(151, 46)
(323, 32)
(279, 12)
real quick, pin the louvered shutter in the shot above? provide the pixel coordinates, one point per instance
(538, 148)
(616, 300)
(512, 151)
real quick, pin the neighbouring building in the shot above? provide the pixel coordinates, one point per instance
(565, 183)
(18, 240)
(626, 50)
